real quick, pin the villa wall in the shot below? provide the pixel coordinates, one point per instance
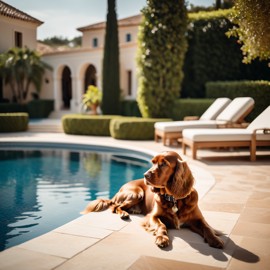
(28, 30)
(77, 60)
(88, 36)
(128, 64)
(8, 27)
(17, 29)
(59, 86)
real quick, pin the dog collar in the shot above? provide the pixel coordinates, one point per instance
(169, 198)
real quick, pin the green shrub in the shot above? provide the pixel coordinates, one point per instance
(162, 46)
(40, 108)
(130, 108)
(79, 124)
(190, 107)
(258, 90)
(13, 122)
(212, 56)
(179, 109)
(133, 128)
(12, 107)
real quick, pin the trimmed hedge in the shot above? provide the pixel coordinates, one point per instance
(130, 108)
(179, 109)
(212, 56)
(133, 128)
(258, 90)
(13, 108)
(95, 125)
(13, 122)
(40, 108)
(190, 107)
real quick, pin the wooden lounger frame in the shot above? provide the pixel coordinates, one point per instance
(170, 136)
(252, 144)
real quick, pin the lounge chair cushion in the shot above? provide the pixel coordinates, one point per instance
(219, 135)
(215, 109)
(231, 114)
(178, 126)
(261, 121)
(236, 109)
(232, 134)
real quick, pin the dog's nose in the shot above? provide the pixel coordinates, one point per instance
(147, 175)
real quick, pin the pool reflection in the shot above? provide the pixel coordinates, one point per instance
(43, 189)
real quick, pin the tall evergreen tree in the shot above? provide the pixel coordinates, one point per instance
(162, 48)
(110, 78)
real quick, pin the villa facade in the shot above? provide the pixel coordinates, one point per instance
(73, 69)
(17, 29)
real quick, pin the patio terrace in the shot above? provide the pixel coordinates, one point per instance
(234, 198)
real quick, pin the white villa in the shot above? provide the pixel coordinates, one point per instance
(73, 69)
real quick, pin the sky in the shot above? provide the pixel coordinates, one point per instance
(62, 17)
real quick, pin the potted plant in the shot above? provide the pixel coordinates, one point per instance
(92, 98)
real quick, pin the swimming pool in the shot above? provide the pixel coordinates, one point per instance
(42, 189)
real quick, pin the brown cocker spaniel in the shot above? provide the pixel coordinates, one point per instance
(166, 196)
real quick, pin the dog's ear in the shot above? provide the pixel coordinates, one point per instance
(182, 180)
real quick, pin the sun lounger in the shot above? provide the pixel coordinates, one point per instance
(256, 134)
(221, 114)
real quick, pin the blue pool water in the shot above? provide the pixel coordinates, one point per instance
(41, 190)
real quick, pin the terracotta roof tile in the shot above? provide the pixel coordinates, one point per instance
(11, 12)
(133, 20)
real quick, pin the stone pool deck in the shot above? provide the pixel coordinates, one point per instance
(234, 198)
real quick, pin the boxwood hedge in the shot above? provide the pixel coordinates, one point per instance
(13, 122)
(190, 107)
(258, 90)
(134, 128)
(79, 124)
(212, 56)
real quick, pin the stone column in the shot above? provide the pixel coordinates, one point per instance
(75, 103)
(57, 94)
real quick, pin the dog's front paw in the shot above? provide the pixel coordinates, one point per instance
(216, 242)
(124, 215)
(162, 241)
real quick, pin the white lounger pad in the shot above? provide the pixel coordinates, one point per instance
(225, 134)
(178, 126)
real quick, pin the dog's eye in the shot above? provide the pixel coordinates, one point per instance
(163, 164)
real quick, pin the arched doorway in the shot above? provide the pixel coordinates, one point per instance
(66, 87)
(90, 77)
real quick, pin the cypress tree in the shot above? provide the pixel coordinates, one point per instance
(110, 77)
(161, 51)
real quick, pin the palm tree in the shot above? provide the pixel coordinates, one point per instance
(20, 68)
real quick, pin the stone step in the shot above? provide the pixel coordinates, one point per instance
(46, 125)
(59, 114)
(46, 129)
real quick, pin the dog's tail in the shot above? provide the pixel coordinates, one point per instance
(97, 206)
